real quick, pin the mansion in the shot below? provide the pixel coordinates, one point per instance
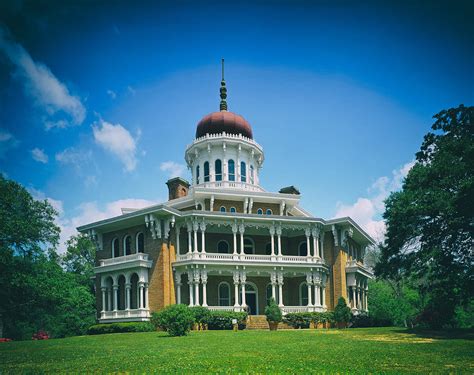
(224, 242)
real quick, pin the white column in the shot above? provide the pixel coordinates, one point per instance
(323, 286)
(189, 238)
(353, 297)
(196, 288)
(178, 229)
(307, 232)
(280, 289)
(272, 239)
(204, 287)
(243, 278)
(317, 294)
(191, 291)
(140, 288)
(273, 281)
(241, 231)
(309, 282)
(234, 232)
(116, 287)
(278, 232)
(366, 307)
(177, 278)
(146, 296)
(195, 230)
(315, 233)
(128, 287)
(104, 290)
(203, 237)
(321, 249)
(236, 289)
(109, 299)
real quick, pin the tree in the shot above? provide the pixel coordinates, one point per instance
(79, 259)
(430, 222)
(342, 312)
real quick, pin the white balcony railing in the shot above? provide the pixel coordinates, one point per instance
(230, 185)
(299, 309)
(223, 308)
(123, 259)
(140, 314)
(251, 258)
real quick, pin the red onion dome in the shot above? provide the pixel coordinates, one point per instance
(224, 121)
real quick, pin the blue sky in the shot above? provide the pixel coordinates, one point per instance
(99, 100)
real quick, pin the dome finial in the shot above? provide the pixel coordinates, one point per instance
(223, 90)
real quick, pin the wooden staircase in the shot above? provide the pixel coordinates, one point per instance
(260, 322)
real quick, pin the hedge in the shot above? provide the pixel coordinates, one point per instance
(303, 320)
(99, 329)
(223, 319)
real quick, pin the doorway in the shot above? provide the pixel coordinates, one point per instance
(251, 298)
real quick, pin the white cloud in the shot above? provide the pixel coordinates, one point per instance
(367, 211)
(131, 90)
(39, 155)
(42, 85)
(112, 94)
(117, 140)
(174, 169)
(7, 142)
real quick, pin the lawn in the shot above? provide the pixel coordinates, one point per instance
(376, 350)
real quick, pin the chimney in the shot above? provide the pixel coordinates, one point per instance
(177, 187)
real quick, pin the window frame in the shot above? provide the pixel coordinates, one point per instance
(231, 173)
(136, 243)
(228, 247)
(243, 171)
(219, 298)
(218, 176)
(207, 176)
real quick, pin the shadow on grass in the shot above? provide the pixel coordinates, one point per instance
(444, 334)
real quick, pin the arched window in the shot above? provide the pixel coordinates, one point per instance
(199, 207)
(268, 248)
(206, 171)
(243, 171)
(197, 175)
(303, 249)
(303, 294)
(140, 243)
(249, 246)
(218, 166)
(269, 293)
(259, 211)
(269, 212)
(224, 294)
(223, 247)
(222, 209)
(231, 170)
(232, 209)
(252, 180)
(127, 245)
(115, 248)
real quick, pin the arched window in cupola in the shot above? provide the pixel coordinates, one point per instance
(243, 171)
(231, 170)
(252, 178)
(206, 171)
(197, 175)
(127, 245)
(218, 165)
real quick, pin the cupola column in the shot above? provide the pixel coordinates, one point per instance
(190, 284)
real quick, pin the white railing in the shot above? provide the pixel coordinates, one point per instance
(300, 309)
(221, 308)
(123, 259)
(230, 184)
(239, 137)
(254, 258)
(356, 264)
(125, 314)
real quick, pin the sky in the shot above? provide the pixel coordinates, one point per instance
(98, 100)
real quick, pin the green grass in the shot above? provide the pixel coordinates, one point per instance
(376, 350)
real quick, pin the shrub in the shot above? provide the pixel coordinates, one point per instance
(298, 320)
(4, 339)
(177, 320)
(201, 314)
(223, 319)
(342, 312)
(100, 329)
(364, 320)
(273, 312)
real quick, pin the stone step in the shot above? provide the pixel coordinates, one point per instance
(260, 322)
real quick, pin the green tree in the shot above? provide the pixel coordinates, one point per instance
(79, 259)
(342, 312)
(430, 222)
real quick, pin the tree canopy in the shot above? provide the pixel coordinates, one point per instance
(430, 222)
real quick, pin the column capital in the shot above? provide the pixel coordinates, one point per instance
(243, 277)
(307, 231)
(236, 277)
(103, 289)
(128, 285)
(241, 228)
(273, 278)
(197, 276)
(202, 225)
(115, 286)
(177, 277)
(195, 225)
(280, 278)
(278, 230)
(235, 228)
(335, 235)
(272, 230)
(189, 226)
(309, 278)
(204, 276)
(315, 231)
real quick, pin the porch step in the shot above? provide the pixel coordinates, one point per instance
(260, 322)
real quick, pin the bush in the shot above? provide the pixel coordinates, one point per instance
(223, 319)
(273, 312)
(201, 314)
(177, 320)
(298, 320)
(342, 312)
(40, 335)
(363, 320)
(100, 329)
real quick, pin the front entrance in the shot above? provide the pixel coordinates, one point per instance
(251, 298)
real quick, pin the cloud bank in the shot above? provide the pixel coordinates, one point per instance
(174, 169)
